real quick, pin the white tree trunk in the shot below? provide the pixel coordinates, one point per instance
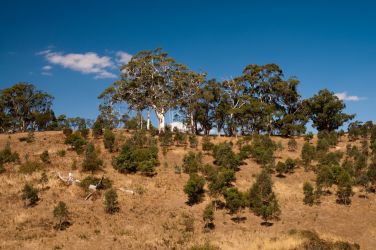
(193, 129)
(148, 122)
(161, 120)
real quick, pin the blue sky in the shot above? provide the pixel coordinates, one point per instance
(72, 49)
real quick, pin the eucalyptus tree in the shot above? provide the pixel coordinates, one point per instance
(22, 105)
(150, 80)
(326, 111)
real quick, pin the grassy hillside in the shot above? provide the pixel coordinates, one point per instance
(157, 216)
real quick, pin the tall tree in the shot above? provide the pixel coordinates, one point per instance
(326, 111)
(22, 105)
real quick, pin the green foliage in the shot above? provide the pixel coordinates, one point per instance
(192, 162)
(234, 200)
(6, 155)
(29, 167)
(109, 140)
(45, 157)
(263, 149)
(194, 188)
(261, 197)
(67, 132)
(61, 153)
(180, 138)
(309, 195)
(97, 128)
(245, 151)
(138, 153)
(29, 138)
(292, 145)
(84, 132)
(207, 145)
(308, 136)
(111, 204)
(344, 190)
(165, 138)
(61, 213)
(308, 154)
(76, 141)
(281, 168)
(208, 216)
(330, 136)
(326, 111)
(205, 246)
(225, 157)
(193, 142)
(92, 180)
(2, 169)
(220, 181)
(91, 161)
(43, 179)
(30, 193)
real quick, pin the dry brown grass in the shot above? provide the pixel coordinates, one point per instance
(156, 217)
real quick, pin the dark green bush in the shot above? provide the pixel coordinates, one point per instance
(2, 169)
(263, 149)
(193, 142)
(109, 140)
(224, 156)
(208, 216)
(192, 162)
(62, 214)
(194, 188)
(309, 195)
(6, 155)
(91, 161)
(180, 138)
(92, 180)
(308, 154)
(30, 193)
(45, 157)
(76, 141)
(111, 204)
(97, 128)
(292, 145)
(207, 145)
(67, 131)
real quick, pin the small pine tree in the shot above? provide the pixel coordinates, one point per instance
(344, 190)
(281, 169)
(207, 145)
(192, 162)
(45, 157)
(234, 201)
(91, 161)
(308, 154)
(193, 142)
(111, 204)
(30, 193)
(109, 140)
(194, 188)
(309, 195)
(292, 145)
(61, 213)
(208, 216)
(76, 141)
(97, 127)
(262, 199)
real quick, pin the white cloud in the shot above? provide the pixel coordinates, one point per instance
(47, 67)
(87, 63)
(46, 73)
(343, 96)
(123, 57)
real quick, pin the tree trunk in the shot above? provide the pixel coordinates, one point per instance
(148, 122)
(161, 120)
(193, 127)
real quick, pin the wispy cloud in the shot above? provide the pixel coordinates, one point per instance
(47, 67)
(343, 96)
(86, 63)
(123, 57)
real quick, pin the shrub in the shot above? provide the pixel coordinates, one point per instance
(111, 204)
(209, 171)
(225, 157)
(91, 161)
(281, 168)
(84, 132)
(2, 169)
(308, 137)
(290, 165)
(309, 196)
(135, 152)
(192, 162)
(6, 155)
(29, 138)
(30, 193)
(220, 181)
(165, 138)
(194, 188)
(97, 128)
(292, 145)
(76, 141)
(146, 168)
(263, 149)
(330, 137)
(62, 214)
(45, 157)
(262, 199)
(245, 151)
(308, 154)
(207, 145)
(105, 183)
(29, 167)
(109, 140)
(67, 132)
(180, 138)
(61, 153)
(344, 190)
(234, 201)
(208, 216)
(193, 142)
(205, 246)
